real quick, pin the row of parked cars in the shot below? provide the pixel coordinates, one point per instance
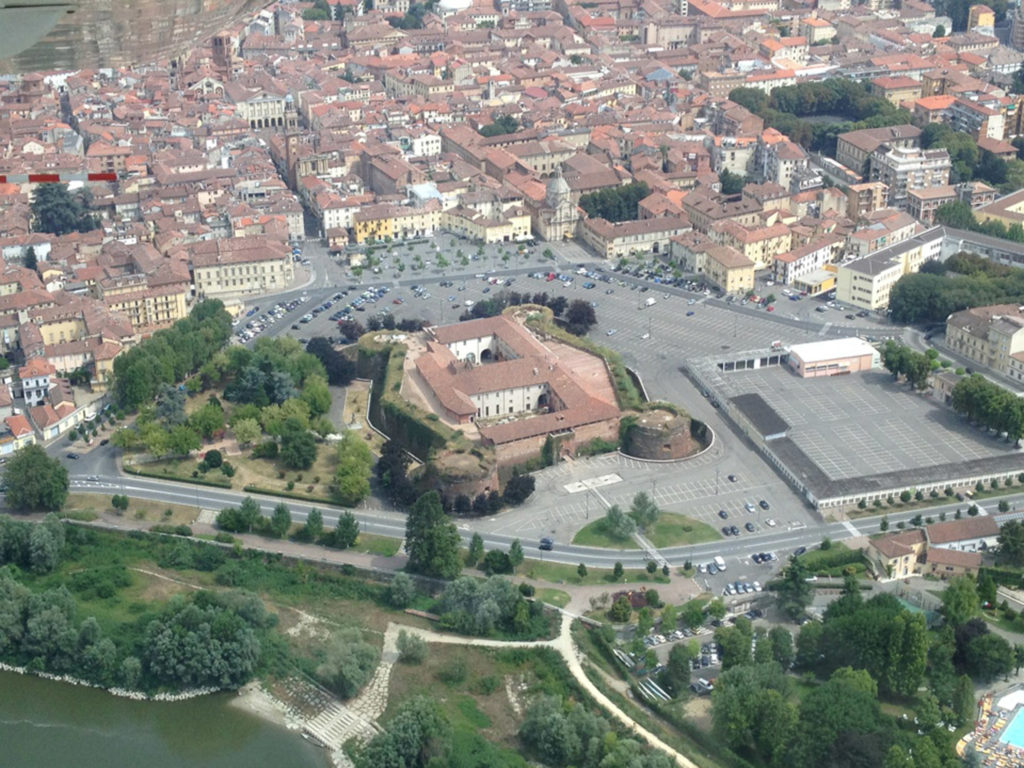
(741, 588)
(254, 323)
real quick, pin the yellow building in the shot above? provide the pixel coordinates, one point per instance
(149, 304)
(397, 222)
(759, 244)
(510, 226)
(981, 16)
(1008, 209)
(989, 336)
(866, 283)
(240, 265)
(726, 268)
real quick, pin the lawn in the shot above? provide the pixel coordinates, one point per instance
(596, 535)
(553, 596)
(372, 544)
(671, 530)
(81, 504)
(558, 573)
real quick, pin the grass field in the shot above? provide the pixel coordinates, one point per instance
(377, 545)
(557, 573)
(139, 509)
(668, 531)
(595, 534)
(553, 596)
(671, 530)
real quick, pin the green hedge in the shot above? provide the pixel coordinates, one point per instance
(834, 559)
(1007, 577)
(133, 470)
(288, 494)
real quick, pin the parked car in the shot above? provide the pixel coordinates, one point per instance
(723, 514)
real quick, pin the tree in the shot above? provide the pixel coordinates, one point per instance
(940, 31)
(31, 262)
(581, 570)
(314, 527)
(417, 735)
(119, 502)
(732, 183)
(986, 588)
(782, 646)
(476, 550)
(432, 540)
(677, 671)
(346, 532)
(213, 458)
(57, 211)
(1011, 542)
(621, 610)
(518, 488)
(617, 570)
(580, 317)
(751, 710)
(340, 370)
(349, 662)
(298, 446)
(643, 510)
(988, 657)
(717, 609)
(960, 601)
(618, 524)
(412, 649)
(615, 203)
(34, 481)
(280, 520)
(515, 554)
(391, 473)
(401, 591)
(352, 478)
(794, 593)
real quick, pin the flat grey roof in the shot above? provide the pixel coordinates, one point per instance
(760, 414)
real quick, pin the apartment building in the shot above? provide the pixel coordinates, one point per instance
(867, 282)
(239, 266)
(902, 169)
(854, 148)
(977, 119)
(760, 244)
(862, 199)
(802, 261)
(922, 203)
(989, 336)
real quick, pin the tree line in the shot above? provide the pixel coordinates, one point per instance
(969, 162)
(168, 356)
(859, 651)
(836, 96)
(615, 203)
(901, 360)
(248, 517)
(964, 280)
(203, 640)
(989, 405)
(577, 316)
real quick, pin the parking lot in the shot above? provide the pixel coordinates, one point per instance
(865, 423)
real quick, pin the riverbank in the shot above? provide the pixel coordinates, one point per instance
(123, 693)
(254, 699)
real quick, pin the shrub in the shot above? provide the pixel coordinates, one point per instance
(527, 590)
(412, 649)
(227, 469)
(651, 566)
(290, 485)
(213, 458)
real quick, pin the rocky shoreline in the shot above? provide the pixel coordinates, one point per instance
(114, 691)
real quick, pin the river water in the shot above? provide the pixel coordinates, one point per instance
(45, 723)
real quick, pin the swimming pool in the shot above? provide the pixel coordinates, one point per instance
(1013, 733)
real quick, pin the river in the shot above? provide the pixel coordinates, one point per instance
(45, 723)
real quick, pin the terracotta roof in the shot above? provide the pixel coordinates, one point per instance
(980, 527)
(953, 557)
(18, 425)
(899, 544)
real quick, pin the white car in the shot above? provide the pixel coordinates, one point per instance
(757, 586)
(611, 331)
(770, 522)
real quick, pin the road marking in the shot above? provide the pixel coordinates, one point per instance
(851, 528)
(592, 483)
(824, 329)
